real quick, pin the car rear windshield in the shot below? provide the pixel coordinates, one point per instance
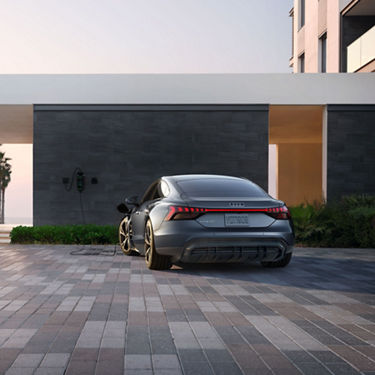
(220, 188)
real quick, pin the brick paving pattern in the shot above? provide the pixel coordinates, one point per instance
(76, 314)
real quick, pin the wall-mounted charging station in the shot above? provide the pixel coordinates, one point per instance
(80, 180)
(78, 177)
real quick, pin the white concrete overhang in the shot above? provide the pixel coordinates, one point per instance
(19, 92)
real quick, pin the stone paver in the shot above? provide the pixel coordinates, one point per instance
(98, 314)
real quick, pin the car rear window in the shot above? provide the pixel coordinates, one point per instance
(220, 188)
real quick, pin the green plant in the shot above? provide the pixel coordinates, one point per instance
(363, 220)
(349, 222)
(65, 234)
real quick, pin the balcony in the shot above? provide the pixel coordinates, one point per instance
(362, 51)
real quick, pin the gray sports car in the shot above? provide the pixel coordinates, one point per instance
(206, 219)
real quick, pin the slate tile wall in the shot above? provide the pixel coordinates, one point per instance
(127, 149)
(351, 150)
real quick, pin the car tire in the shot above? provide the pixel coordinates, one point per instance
(125, 237)
(279, 263)
(154, 261)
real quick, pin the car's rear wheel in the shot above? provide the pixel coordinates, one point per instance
(125, 234)
(154, 261)
(279, 263)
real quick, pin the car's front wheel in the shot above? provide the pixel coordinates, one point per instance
(283, 262)
(125, 237)
(154, 261)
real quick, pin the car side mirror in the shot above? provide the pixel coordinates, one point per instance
(132, 201)
(122, 208)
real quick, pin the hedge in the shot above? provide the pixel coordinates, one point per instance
(349, 222)
(65, 234)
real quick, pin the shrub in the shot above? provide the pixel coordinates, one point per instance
(349, 222)
(65, 234)
(363, 219)
(22, 234)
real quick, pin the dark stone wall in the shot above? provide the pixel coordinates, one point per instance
(127, 147)
(350, 150)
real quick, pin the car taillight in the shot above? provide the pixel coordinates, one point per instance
(184, 213)
(191, 213)
(280, 213)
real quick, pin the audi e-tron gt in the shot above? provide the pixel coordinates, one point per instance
(206, 219)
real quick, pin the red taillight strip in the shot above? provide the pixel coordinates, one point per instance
(177, 209)
(172, 211)
(237, 209)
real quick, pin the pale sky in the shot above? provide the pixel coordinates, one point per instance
(135, 36)
(145, 36)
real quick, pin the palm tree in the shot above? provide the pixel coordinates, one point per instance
(5, 171)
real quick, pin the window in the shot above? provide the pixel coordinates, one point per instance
(164, 188)
(301, 63)
(151, 193)
(323, 53)
(302, 13)
(220, 188)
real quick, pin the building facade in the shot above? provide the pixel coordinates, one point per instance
(333, 36)
(124, 131)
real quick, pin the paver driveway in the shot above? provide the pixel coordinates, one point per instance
(82, 314)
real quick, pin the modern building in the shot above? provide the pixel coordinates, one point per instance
(124, 131)
(333, 36)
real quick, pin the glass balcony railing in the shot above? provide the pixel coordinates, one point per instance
(361, 51)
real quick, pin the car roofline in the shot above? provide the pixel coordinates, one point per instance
(191, 177)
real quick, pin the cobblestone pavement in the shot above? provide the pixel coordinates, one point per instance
(100, 314)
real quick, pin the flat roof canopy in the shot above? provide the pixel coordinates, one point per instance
(288, 89)
(18, 93)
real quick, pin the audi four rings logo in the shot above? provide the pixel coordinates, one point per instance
(237, 204)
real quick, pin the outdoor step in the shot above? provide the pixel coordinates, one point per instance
(5, 234)
(5, 230)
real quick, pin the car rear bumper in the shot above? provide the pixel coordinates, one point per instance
(202, 246)
(227, 250)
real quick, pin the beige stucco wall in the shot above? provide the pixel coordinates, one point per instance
(305, 40)
(300, 173)
(333, 36)
(311, 37)
(300, 46)
(297, 131)
(321, 16)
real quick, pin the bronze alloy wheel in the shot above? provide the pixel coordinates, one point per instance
(154, 260)
(125, 237)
